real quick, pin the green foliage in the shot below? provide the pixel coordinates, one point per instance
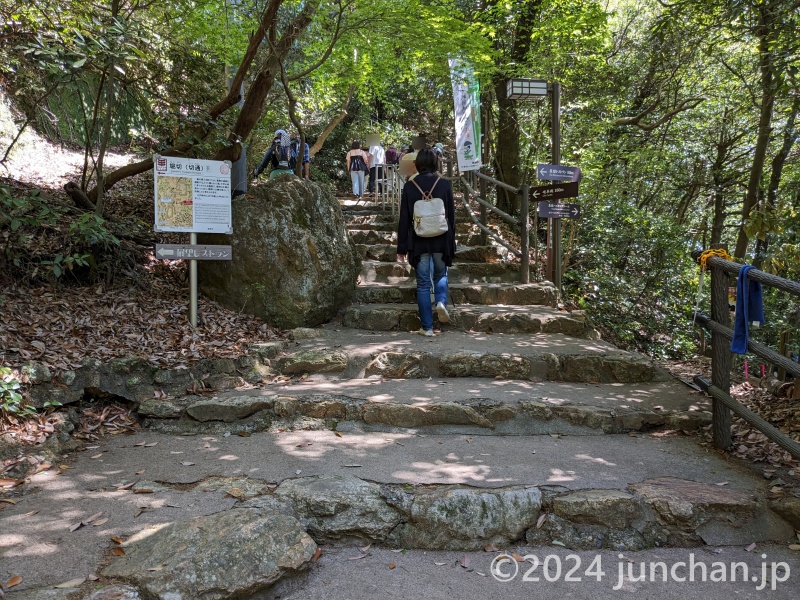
(43, 237)
(11, 400)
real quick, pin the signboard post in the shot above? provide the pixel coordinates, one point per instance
(194, 196)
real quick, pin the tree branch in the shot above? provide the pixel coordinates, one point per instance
(333, 123)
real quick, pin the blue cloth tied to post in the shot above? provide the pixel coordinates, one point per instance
(749, 307)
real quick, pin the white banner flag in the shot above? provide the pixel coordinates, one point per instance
(466, 100)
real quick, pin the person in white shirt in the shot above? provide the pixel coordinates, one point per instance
(377, 159)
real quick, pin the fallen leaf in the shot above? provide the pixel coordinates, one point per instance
(235, 492)
(298, 471)
(15, 580)
(116, 539)
(156, 568)
(93, 578)
(392, 565)
(337, 434)
(140, 472)
(8, 500)
(30, 514)
(481, 574)
(151, 444)
(72, 583)
(464, 562)
(244, 434)
(517, 557)
(118, 551)
(100, 522)
(94, 517)
(721, 483)
(359, 557)
(490, 548)
(126, 486)
(365, 549)
(317, 554)
(439, 564)
(75, 527)
(540, 520)
(751, 547)
(794, 546)
(174, 452)
(557, 543)
(555, 435)
(186, 463)
(142, 491)
(10, 483)
(97, 455)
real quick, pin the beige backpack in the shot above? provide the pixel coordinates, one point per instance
(429, 214)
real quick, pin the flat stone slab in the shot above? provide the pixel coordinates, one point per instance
(379, 250)
(461, 272)
(227, 408)
(466, 317)
(230, 554)
(527, 294)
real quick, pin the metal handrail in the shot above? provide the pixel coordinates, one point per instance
(488, 231)
(721, 334)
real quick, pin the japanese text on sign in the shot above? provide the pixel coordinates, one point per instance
(192, 195)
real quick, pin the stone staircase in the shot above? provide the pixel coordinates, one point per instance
(515, 430)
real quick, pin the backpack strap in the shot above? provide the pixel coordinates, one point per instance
(429, 194)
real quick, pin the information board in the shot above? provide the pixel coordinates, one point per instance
(192, 195)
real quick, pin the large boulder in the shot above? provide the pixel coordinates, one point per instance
(293, 263)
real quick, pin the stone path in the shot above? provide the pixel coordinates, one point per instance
(381, 464)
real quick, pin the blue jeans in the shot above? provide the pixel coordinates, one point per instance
(358, 182)
(430, 264)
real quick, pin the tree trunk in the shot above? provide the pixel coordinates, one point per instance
(333, 123)
(506, 157)
(768, 84)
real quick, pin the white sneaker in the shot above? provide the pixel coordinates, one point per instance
(441, 310)
(426, 332)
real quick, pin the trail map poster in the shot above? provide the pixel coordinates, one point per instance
(466, 100)
(192, 195)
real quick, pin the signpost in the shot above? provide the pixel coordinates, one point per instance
(194, 196)
(555, 192)
(196, 252)
(558, 173)
(549, 210)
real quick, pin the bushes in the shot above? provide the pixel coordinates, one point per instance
(43, 240)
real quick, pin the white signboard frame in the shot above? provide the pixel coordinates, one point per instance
(192, 195)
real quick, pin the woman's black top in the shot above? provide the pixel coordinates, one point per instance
(409, 242)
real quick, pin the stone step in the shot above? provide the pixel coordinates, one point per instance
(388, 223)
(370, 236)
(456, 492)
(393, 272)
(388, 252)
(469, 317)
(462, 293)
(353, 354)
(468, 406)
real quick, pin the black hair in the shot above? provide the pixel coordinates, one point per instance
(356, 145)
(426, 161)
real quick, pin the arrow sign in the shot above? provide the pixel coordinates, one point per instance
(558, 173)
(193, 252)
(552, 210)
(554, 192)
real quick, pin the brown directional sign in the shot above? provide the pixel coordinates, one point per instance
(554, 192)
(552, 210)
(193, 252)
